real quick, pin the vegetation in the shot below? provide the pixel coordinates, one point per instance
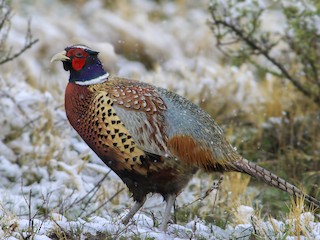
(6, 52)
(280, 131)
(291, 52)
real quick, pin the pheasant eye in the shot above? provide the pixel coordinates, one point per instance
(78, 54)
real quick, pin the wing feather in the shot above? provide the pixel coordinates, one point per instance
(156, 118)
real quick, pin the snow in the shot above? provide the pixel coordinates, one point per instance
(49, 178)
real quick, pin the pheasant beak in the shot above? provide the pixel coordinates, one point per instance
(61, 56)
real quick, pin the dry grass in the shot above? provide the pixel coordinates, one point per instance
(279, 130)
(280, 133)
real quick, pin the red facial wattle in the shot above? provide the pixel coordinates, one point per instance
(78, 63)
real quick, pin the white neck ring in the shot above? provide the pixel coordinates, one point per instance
(100, 79)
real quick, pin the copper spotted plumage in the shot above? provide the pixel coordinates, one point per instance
(153, 139)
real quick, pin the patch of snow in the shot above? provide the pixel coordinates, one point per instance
(245, 213)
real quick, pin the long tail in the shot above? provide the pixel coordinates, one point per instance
(264, 175)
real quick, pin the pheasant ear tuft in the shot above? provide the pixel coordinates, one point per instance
(91, 52)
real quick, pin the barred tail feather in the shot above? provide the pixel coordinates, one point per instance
(264, 175)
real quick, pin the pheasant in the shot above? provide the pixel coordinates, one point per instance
(153, 139)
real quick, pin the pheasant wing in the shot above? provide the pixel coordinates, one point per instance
(141, 109)
(166, 124)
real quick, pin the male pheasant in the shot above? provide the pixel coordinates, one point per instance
(153, 139)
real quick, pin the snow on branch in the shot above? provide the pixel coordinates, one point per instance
(7, 55)
(276, 38)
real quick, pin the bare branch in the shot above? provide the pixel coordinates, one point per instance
(109, 200)
(215, 186)
(6, 15)
(7, 56)
(22, 50)
(225, 26)
(93, 190)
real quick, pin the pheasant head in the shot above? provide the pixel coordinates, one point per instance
(83, 63)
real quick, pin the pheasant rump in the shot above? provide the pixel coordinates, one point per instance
(153, 139)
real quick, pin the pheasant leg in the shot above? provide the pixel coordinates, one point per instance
(170, 201)
(133, 211)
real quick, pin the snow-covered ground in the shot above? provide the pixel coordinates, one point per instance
(51, 183)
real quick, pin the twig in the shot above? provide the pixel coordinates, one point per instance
(215, 186)
(29, 42)
(22, 50)
(30, 230)
(31, 220)
(109, 200)
(63, 231)
(258, 230)
(95, 189)
(98, 185)
(253, 43)
(5, 16)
